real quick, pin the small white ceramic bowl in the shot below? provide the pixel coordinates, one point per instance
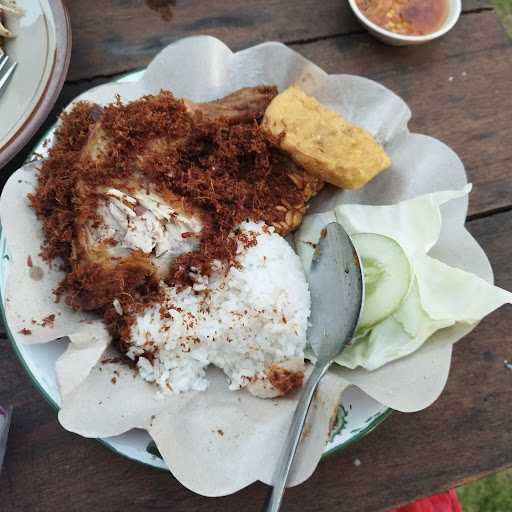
(388, 37)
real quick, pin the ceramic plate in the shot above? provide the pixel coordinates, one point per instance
(358, 414)
(41, 48)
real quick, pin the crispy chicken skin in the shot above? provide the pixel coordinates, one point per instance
(242, 106)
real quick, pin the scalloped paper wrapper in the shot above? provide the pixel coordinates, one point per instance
(218, 441)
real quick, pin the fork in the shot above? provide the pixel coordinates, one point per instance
(7, 67)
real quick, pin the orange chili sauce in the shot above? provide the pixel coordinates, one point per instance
(406, 17)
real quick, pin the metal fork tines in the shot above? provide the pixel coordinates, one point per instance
(7, 67)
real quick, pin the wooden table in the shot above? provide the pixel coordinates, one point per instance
(459, 90)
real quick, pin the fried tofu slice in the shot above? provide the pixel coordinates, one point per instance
(322, 142)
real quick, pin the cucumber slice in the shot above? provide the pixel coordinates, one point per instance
(387, 276)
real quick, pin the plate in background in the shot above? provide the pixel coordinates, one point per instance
(42, 49)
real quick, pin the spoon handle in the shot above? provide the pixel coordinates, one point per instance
(296, 427)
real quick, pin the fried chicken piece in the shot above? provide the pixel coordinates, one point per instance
(242, 106)
(248, 104)
(137, 235)
(208, 173)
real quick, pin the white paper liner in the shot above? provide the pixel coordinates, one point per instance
(187, 428)
(29, 289)
(215, 441)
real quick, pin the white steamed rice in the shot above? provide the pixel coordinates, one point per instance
(243, 322)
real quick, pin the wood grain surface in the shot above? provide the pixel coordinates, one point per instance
(115, 36)
(458, 89)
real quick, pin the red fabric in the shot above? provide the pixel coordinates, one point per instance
(444, 502)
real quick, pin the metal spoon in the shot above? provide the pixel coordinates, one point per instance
(336, 285)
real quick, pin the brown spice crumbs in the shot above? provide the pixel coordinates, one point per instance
(29, 261)
(284, 380)
(25, 331)
(48, 321)
(113, 380)
(220, 432)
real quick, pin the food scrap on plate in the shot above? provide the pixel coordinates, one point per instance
(7, 7)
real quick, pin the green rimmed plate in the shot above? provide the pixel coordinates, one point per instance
(357, 415)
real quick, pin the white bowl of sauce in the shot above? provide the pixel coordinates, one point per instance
(407, 22)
